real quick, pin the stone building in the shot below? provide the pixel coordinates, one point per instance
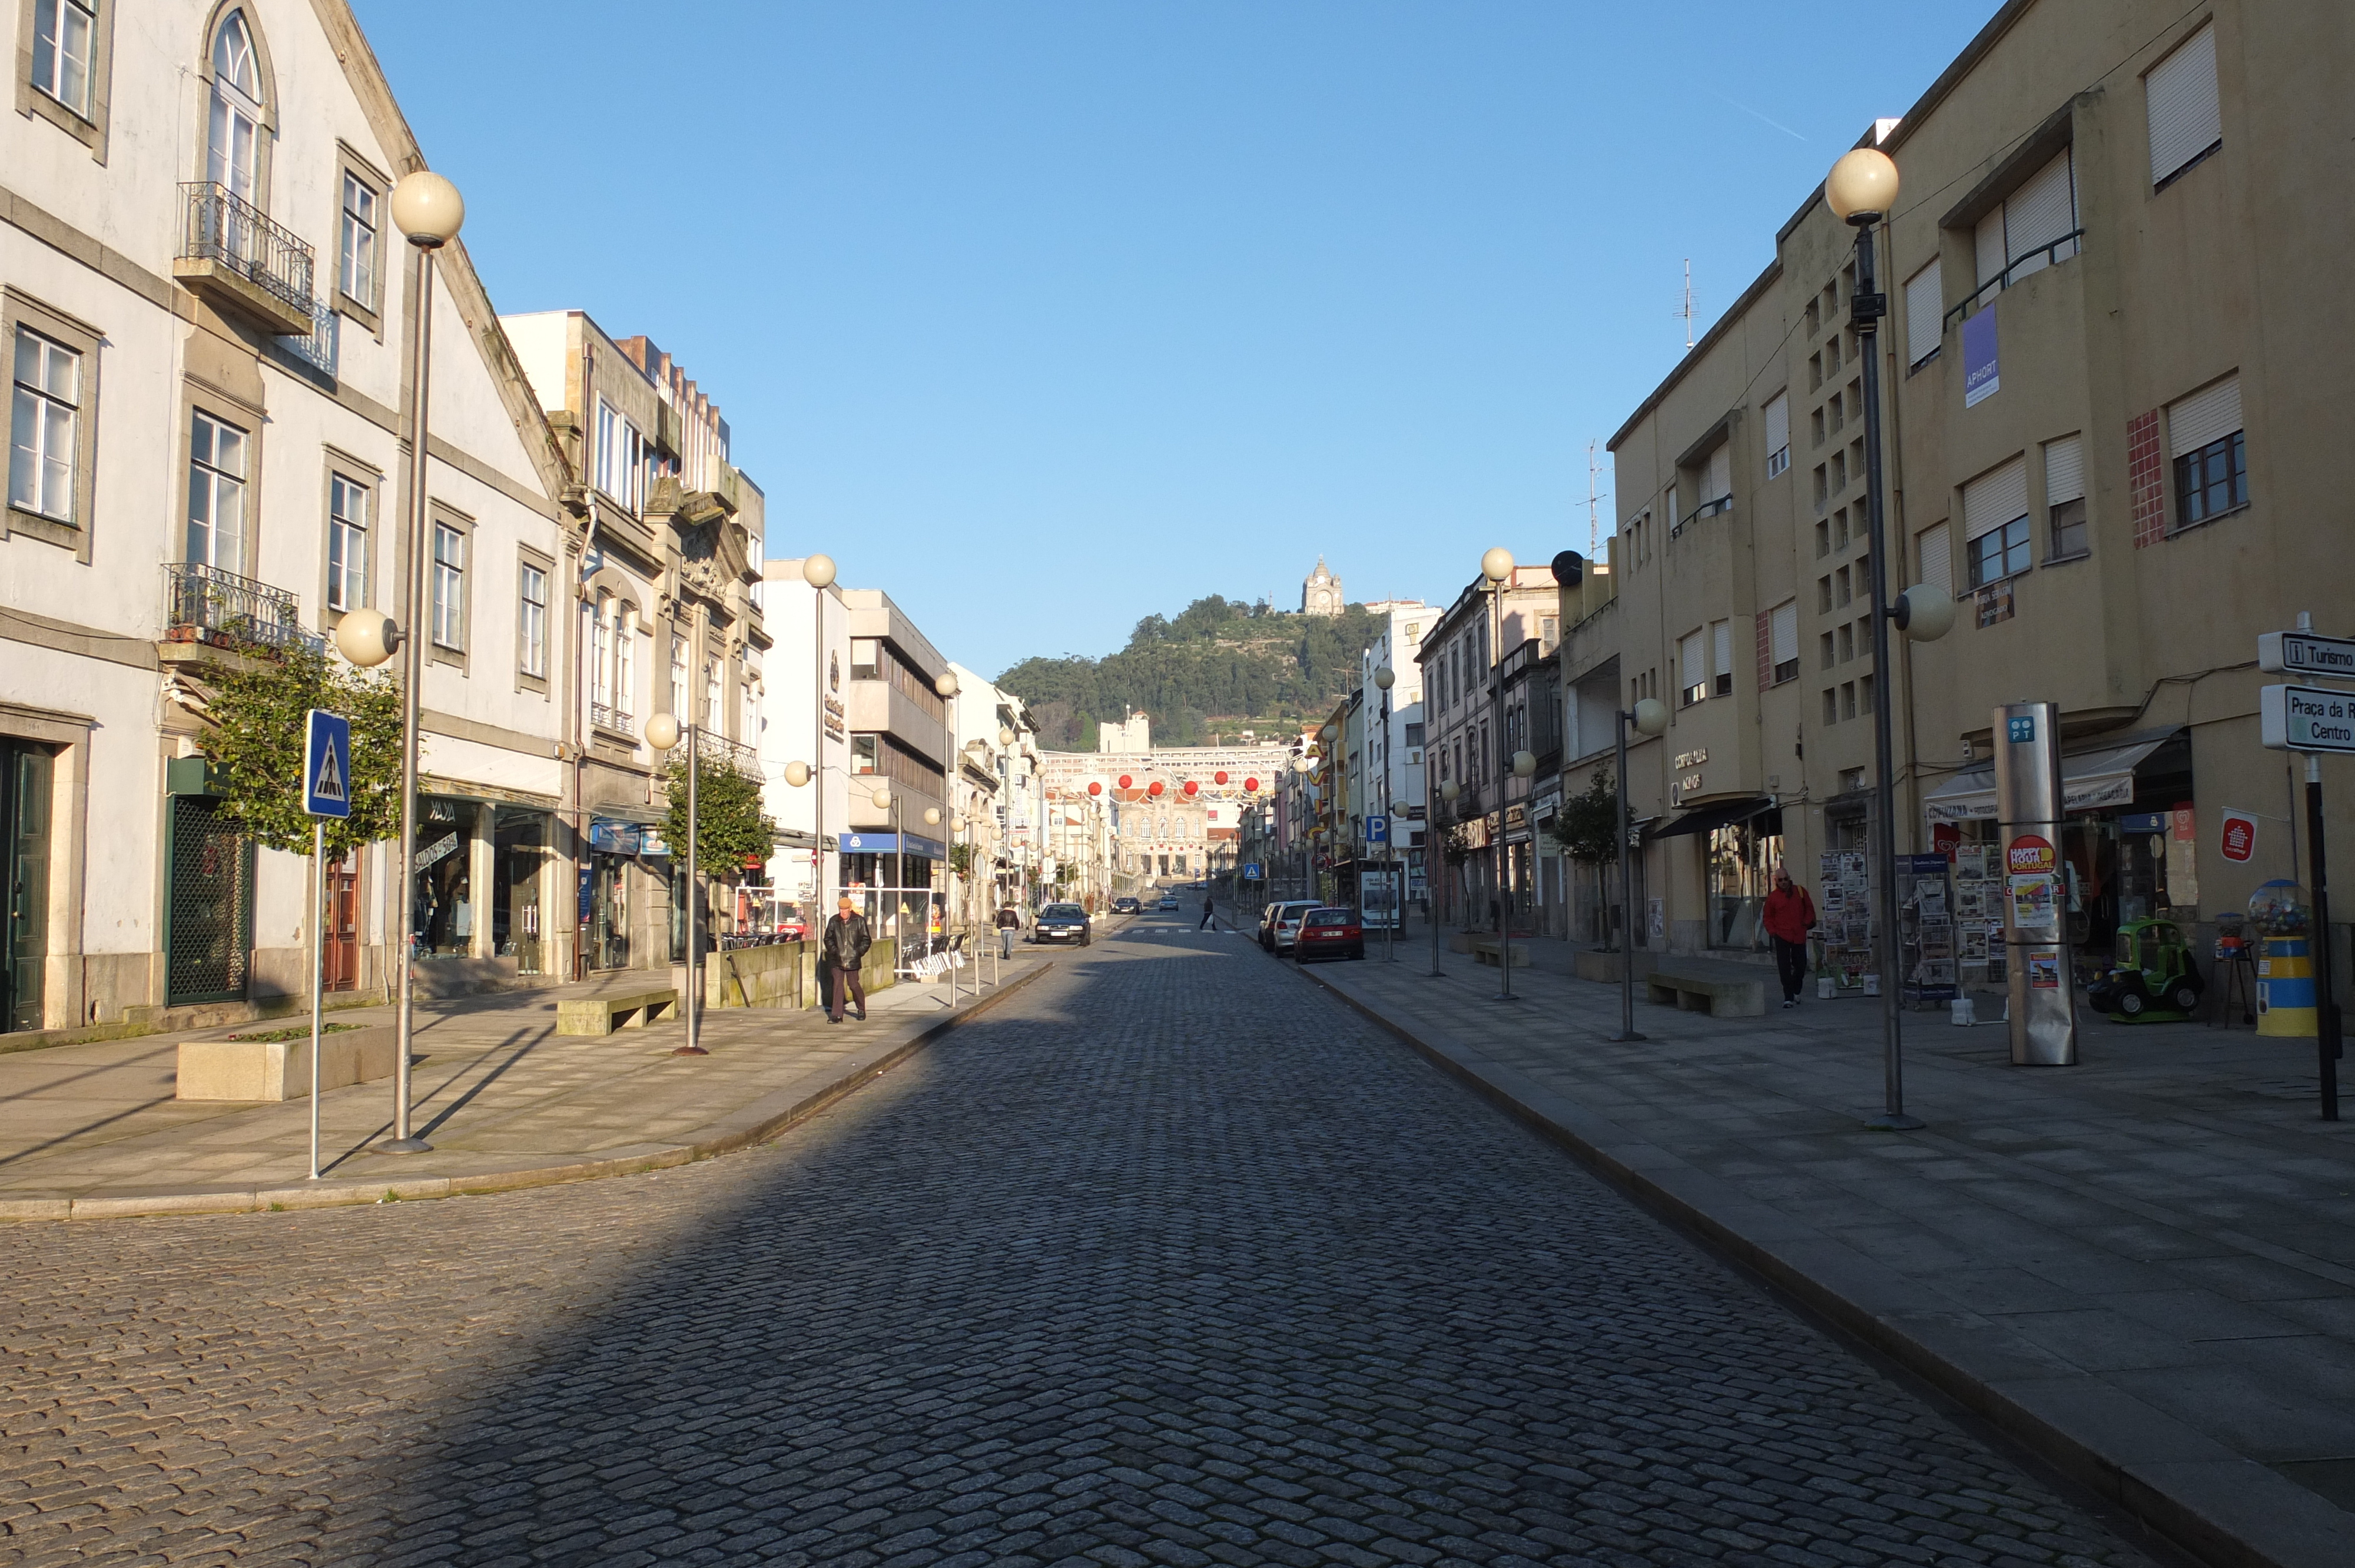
(1320, 592)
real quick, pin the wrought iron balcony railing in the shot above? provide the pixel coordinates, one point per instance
(717, 750)
(223, 229)
(604, 716)
(206, 604)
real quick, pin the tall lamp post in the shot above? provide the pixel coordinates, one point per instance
(1650, 717)
(1860, 191)
(663, 732)
(429, 211)
(1448, 793)
(1496, 571)
(818, 572)
(1385, 677)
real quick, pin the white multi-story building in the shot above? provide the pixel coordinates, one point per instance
(206, 309)
(1389, 752)
(805, 715)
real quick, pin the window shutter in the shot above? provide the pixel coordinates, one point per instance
(1724, 633)
(2180, 93)
(1925, 311)
(1717, 479)
(1934, 558)
(1991, 247)
(1690, 668)
(1784, 635)
(1675, 517)
(2040, 212)
(2204, 417)
(1778, 423)
(2064, 470)
(1995, 499)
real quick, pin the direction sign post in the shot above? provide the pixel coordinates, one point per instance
(2314, 720)
(326, 792)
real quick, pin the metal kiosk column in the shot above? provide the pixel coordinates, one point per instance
(2028, 826)
(326, 792)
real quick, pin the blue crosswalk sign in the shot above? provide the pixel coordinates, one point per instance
(327, 765)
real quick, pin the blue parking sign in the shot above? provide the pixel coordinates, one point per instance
(327, 765)
(1378, 830)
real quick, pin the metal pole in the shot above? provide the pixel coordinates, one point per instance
(1865, 309)
(318, 971)
(412, 666)
(1626, 899)
(1389, 841)
(2326, 1002)
(817, 763)
(1498, 857)
(694, 1046)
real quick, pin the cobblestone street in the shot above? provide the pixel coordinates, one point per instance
(1171, 1259)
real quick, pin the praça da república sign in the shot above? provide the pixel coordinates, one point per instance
(2307, 718)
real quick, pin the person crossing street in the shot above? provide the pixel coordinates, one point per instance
(1209, 915)
(843, 948)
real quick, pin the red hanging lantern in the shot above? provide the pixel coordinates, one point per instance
(1095, 789)
(1156, 789)
(1251, 786)
(1220, 776)
(1192, 788)
(1124, 782)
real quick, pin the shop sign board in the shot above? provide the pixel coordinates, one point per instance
(2304, 653)
(2240, 839)
(2307, 718)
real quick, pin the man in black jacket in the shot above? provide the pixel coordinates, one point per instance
(1008, 922)
(844, 948)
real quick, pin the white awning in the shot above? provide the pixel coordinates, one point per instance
(2089, 781)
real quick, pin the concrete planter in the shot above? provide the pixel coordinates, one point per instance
(264, 1070)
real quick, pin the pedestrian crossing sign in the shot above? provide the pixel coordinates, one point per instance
(327, 765)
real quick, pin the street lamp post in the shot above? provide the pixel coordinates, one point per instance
(1860, 191)
(663, 732)
(1385, 678)
(1496, 571)
(1651, 717)
(1449, 789)
(429, 211)
(818, 572)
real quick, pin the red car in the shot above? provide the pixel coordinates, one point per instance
(1328, 933)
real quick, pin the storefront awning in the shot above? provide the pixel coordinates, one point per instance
(2090, 781)
(1701, 818)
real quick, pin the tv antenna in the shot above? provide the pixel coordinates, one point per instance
(1686, 310)
(1594, 496)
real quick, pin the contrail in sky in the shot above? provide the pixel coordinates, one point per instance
(1745, 108)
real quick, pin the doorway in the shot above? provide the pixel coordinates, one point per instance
(339, 955)
(24, 778)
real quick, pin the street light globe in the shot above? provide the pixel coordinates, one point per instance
(947, 684)
(1449, 791)
(1329, 732)
(818, 571)
(662, 732)
(797, 774)
(1924, 613)
(427, 209)
(1385, 677)
(1863, 186)
(1496, 564)
(1651, 716)
(1525, 765)
(931, 816)
(882, 799)
(368, 637)
(1004, 738)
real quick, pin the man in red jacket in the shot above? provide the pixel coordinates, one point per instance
(1790, 915)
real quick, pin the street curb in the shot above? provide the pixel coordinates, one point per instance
(757, 1122)
(2224, 1508)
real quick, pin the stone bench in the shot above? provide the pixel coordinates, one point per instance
(1483, 951)
(1720, 989)
(613, 1009)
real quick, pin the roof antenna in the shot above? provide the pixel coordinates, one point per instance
(1593, 528)
(1687, 312)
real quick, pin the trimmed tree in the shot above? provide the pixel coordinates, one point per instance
(731, 827)
(258, 710)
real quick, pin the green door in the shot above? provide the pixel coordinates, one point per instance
(24, 944)
(208, 908)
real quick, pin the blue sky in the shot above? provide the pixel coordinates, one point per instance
(1046, 316)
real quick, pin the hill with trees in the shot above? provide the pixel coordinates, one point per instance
(1218, 666)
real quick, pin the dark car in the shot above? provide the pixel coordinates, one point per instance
(1169, 901)
(1280, 922)
(1062, 923)
(1124, 905)
(1326, 932)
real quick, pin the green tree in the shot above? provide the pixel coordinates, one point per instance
(259, 709)
(731, 826)
(1587, 826)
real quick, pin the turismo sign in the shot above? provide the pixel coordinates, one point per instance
(2307, 718)
(2304, 653)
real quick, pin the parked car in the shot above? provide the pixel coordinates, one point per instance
(1169, 901)
(1325, 932)
(1280, 923)
(1062, 923)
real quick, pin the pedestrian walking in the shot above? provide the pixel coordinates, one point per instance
(843, 948)
(1209, 916)
(1008, 922)
(1790, 914)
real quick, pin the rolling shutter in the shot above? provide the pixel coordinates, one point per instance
(1724, 633)
(1926, 309)
(1778, 423)
(2180, 93)
(2064, 470)
(2204, 417)
(1934, 559)
(1785, 634)
(1691, 655)
(1717, 477)
(2038, 212)
(1988, 242)
(1995, 499)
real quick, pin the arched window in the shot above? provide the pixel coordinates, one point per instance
(625, 663)
(232, 149)
(601, 676)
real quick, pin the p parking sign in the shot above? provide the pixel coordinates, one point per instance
(327, 765)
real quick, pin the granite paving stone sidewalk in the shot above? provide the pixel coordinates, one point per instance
(2146, 1264)
(504, 1099)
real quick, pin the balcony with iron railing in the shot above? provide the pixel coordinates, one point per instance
(2021, 267)
(236, 259)
(205, 607)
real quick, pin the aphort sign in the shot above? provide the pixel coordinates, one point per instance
(2307, 718)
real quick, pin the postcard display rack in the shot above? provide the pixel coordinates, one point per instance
(1978, 916)
(1846, 918)
(1927, 928)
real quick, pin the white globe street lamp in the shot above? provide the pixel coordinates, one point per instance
(663, 733)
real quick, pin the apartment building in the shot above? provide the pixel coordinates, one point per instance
(206, 309)
(1486, 833)
(899, 741)
(2114, 350)
(1389, 755)
(805, 718)
(664, 615)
